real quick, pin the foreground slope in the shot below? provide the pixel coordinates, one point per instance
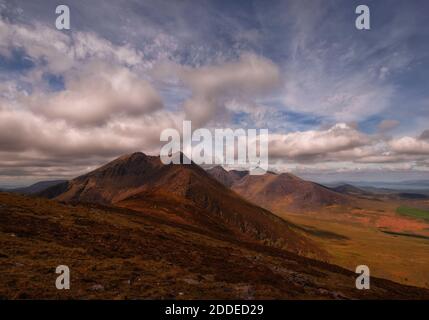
(116, 253)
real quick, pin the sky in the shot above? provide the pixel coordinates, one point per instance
(340, 103)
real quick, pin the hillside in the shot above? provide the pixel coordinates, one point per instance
(116, 253)
(286, 192)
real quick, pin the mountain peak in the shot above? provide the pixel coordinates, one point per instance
(218, 169)
(227, 178)
(133, 155)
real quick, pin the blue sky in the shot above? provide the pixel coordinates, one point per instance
(337, 100)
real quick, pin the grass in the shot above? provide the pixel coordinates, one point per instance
(413, 212)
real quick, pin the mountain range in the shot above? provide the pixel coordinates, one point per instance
(183, 193)
(177, 231)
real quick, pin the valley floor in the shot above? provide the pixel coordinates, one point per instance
(398, 255)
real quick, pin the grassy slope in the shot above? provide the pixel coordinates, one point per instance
(119, 253)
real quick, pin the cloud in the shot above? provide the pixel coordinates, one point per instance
(212, 86)
(305, 66)
(424, 135)
(55, 51)
(310, 87)
(106, 107)
(96, 93)
(312, 145)
(410, 145)
(335, 72)
(343, 148)
(25, 133)
(387, 125)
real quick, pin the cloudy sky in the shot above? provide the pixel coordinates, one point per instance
(339, 103)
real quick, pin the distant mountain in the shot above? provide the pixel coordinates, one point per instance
(381, 192)
(350, 189)
(53, 191)
(184, 194)
(37, 187)
(391, 185)
(412, 196)
(286, 192)
(282, 192)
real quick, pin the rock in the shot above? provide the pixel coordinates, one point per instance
(97, 287)
(191, 281)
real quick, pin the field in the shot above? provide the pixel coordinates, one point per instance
(413, 212)
(400, 255)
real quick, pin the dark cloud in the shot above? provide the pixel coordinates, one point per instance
(424, 135)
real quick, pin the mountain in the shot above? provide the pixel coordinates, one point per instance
(37, 187)
(380, 192)
(409, 185)
(412, 196)
(184, 194)
(227, 178)
(286, 192)
(114, 181)
(282, 192)
(350, 189)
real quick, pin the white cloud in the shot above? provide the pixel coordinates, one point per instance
(23, 133)
(95, 93)
(107, 107)
(212, 86)
(316, 144)
(57, 51)
(344, 97)
(342, 148)
(410, 145)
